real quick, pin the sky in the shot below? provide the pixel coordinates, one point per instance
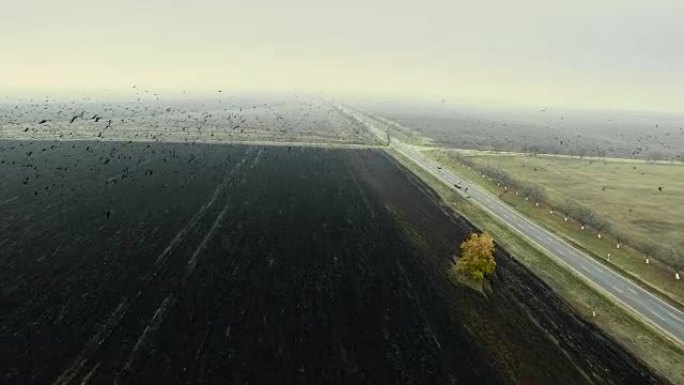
(602, 54)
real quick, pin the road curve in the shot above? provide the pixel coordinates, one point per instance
(659, 313)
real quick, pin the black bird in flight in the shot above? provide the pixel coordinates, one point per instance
(43, 121)
(660, 188)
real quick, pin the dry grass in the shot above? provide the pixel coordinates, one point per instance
(625, 192)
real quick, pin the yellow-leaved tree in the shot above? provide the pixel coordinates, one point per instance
(477, 258)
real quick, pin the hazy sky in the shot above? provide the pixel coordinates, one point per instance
(600, 53)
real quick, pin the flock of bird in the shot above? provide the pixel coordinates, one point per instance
(57, 169)
(222, 119)
(621, 135)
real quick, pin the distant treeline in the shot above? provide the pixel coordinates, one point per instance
(598, 152)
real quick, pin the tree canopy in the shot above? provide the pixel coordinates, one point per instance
(477, 258)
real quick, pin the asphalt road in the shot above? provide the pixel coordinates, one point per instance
(652, 308)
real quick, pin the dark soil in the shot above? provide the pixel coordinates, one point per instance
(182, 263)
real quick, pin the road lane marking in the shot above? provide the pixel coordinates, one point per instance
(673, 315)
(657, 315)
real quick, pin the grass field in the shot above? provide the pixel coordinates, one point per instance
(631, 201)
(659, 353)
(625, 192)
